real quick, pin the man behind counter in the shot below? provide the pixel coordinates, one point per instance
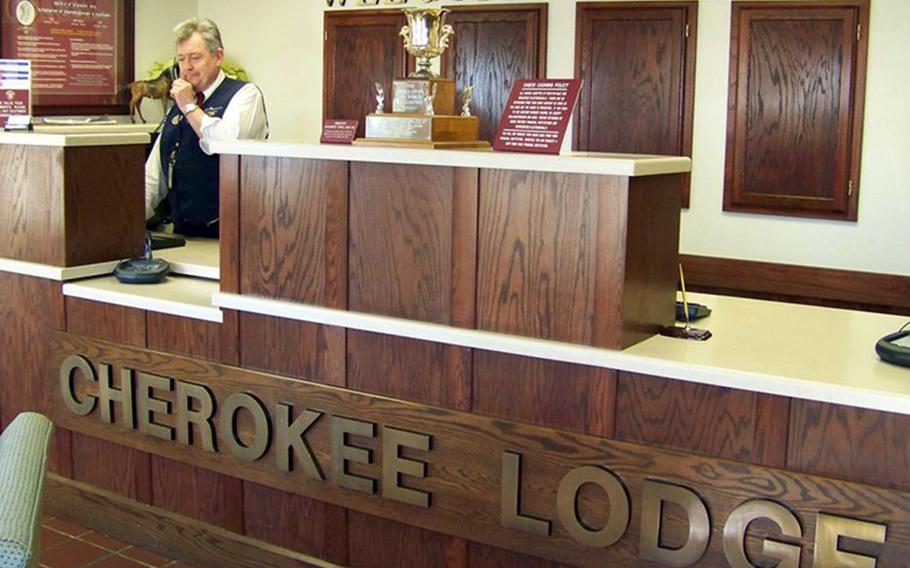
(208, 107)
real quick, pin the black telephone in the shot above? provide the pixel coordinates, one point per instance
(144, 269)
(894, 348)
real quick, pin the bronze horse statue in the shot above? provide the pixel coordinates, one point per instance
(157, 88)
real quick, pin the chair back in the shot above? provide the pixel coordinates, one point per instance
(23, 462)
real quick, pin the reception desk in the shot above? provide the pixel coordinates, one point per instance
(418, 358)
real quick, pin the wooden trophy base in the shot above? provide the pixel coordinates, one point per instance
(426, 144)
(412, 130)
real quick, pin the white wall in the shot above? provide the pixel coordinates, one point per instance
(155, 21)
(280, 44)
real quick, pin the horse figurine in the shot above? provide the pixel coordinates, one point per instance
(157, 88)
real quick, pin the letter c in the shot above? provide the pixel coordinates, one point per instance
(70, 364)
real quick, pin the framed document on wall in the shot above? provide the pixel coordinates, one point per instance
(81, 52)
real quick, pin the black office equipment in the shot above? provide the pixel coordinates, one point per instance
(894, 348)
(686, 331)
(143, 270)
(163, 242)
(696, 311)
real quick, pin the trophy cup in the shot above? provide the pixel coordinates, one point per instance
(423, 104)
(426, 36)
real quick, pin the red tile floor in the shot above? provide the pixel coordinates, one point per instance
(65, 545)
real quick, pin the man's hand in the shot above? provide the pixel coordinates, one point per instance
(182, 93)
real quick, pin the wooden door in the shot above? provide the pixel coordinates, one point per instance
(361, 48)
(794, 126)
(491, 49)
(637, 61)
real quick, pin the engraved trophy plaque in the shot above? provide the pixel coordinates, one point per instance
(423, 104)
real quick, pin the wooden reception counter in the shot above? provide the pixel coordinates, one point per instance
(413, 359)
(70, 199)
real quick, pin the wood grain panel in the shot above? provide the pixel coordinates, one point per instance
(361, 48)
(105, 214)
(195, 492)
(295, 522)
(709, 420)
(802, 284)
(31, 187)
(651, 259)
(550, 393)
(229, 223)
(407, 224)
(491, 49)
(187, 336)
(637, 61)
(548, 246)
(465, 465)
(377, 543)
(297, 349)
(850, 443)
(164, 532)
(112, 466)
(482, 556)
(293, 230)
(106, 321)
(796, 74)
(29, 307)
(198, 493)
(71, 206)
(431, 373)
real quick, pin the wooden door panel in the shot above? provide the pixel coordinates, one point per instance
(638, 66)
(491, 49)
(361, 48)
(795, 114)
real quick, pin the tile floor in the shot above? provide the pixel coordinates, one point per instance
(65, 545)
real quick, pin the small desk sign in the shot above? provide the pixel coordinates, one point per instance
(338, 131)
(537, 115)
(15, 92)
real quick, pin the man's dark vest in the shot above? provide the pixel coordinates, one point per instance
(193, 193)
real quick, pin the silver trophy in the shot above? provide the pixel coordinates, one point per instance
(429, 98)
(380, 98)
(466, 100)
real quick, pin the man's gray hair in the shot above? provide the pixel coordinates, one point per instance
(206, 28)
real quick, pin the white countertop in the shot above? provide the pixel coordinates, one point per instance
(178, 296)
(199, 257)
(74, 139)
(144, 128)
(575, 162)
(806, 352)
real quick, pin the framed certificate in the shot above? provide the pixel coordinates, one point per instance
(81, 52)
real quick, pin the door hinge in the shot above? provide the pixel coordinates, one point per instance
(687, 30)
(850, 188)
(325, 35)
(859, 32)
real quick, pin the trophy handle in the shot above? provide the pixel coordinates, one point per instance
(447, 32)
(405, 33)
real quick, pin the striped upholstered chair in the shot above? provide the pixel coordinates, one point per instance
(23, 460)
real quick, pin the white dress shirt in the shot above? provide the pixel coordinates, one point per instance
(244, 118)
